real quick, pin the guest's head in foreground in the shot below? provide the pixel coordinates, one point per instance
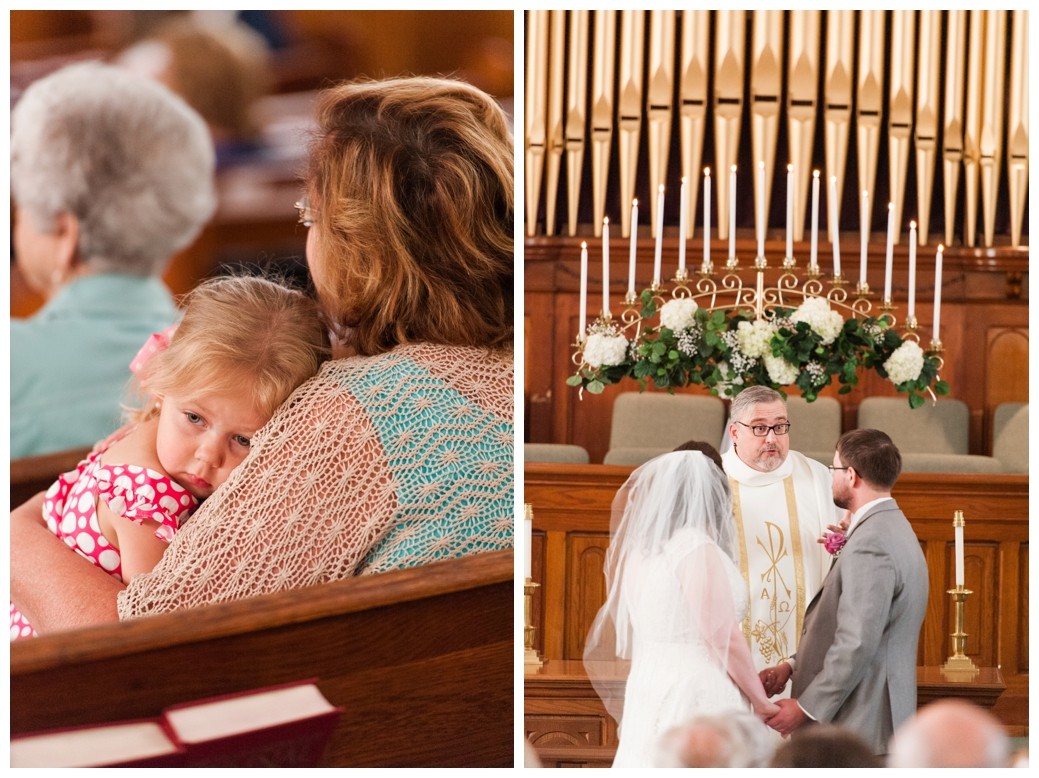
(824, 745)
(244, 344)
(950, 733)
(110, 173)
(759, 428)
(410, 201)
(734, 738)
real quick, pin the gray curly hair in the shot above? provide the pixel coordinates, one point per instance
(123, 154)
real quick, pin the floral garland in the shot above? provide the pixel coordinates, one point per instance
(727, 350)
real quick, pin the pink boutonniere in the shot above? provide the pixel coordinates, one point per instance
(835, 542)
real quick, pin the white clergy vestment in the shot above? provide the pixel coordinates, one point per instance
(779, 516)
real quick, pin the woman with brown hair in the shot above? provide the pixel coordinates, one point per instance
(399, 452)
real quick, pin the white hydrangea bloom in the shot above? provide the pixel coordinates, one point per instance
(605, 350)
(779, 370)
(755, 337)
(825, 322)
(905, 363)
(678, 315)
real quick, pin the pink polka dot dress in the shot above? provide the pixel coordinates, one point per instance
(138, 493)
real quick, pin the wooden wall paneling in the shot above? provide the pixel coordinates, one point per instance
(587, 588)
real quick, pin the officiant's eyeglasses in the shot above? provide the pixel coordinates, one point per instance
(306, 213)
(834, 467)
(761, 430)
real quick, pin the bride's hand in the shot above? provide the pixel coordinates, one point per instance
(766, 710)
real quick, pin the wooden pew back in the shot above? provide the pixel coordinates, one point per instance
(30, 475)
(420, 660)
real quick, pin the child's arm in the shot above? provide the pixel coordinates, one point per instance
(139, 549)
(56, 590)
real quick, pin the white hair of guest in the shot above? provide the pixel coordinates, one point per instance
(950, 733)
(131, 161)
(734, 738)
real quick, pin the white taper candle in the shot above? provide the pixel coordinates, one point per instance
(889, 256)
(937, 290)
(583, 315)
(763, 218)
(814, 261)
(911, 311)
(732, 212)
(706, 218)
(864, 238)
(606, 266)
(790, 210)
(682, 225)
(659, 254)
(834, 219)
(634, 240)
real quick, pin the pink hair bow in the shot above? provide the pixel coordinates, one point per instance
(158, 341)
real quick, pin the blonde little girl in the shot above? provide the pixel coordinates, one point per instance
(243, 345)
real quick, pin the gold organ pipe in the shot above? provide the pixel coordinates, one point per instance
(992, 103)
(535, 108)
(1017, 125)
(601, 112)
(729, 53)
(802, 104)
(766, 89)
(925, 131)
(900, 109)
(837, 90)
(660, 79)
(869, 104)
(972, 124)
(556, 76)
(576, 111)
(629, 108)
(953, 120)
(694, 69)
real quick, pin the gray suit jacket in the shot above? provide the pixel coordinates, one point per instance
(856, 662)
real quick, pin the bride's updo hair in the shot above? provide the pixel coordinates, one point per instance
(240, 334)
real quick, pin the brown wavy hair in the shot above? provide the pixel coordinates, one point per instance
(411, 181)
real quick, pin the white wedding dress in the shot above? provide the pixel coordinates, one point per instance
(682, 602)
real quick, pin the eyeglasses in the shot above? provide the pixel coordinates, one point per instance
(834, 467)
(306, 213)
(761, 430)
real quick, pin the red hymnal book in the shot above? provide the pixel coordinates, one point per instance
(279, 726)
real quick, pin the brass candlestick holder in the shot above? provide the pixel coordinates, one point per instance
(959, 664)
(531, 660)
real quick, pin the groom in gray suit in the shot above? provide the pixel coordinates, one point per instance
(856, 662)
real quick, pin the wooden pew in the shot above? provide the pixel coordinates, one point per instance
(421, 661)
(30, 475)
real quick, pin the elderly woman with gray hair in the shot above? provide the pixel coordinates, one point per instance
(111, 174)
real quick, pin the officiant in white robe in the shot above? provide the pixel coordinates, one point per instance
(782, 504)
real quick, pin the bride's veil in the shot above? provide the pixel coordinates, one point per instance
(682, 493)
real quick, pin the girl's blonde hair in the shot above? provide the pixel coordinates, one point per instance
(242, 334)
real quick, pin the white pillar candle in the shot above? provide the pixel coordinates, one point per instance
(606, 266)
(732, 212)
(682, 222)
(912, 271)
(790, 210)
(959, 556)
(889, 256)
(937, 290)
(528, 546)
(864, 241)
(658, 256)
(583, 315)
(814, 261)
(761, 209)
(834, 231)
(631, 256)
(706, 219)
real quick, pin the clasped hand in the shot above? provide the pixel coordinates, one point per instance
(774, 679)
